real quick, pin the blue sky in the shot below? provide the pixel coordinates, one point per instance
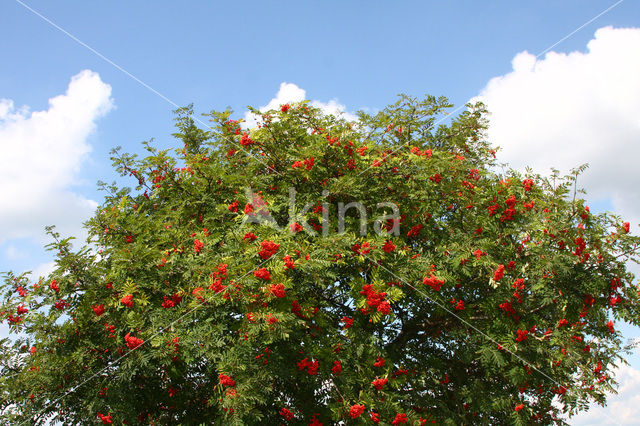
(360, 54)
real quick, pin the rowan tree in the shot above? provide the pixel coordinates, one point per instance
(314, 270)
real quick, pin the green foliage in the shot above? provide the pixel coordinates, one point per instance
(490, 301)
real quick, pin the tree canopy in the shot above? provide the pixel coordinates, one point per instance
(315, 270)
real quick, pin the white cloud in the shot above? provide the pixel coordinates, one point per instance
(14, 253)
(40, 155)
(289, 93)
(569, 109)
(621, 409)
(43, 270)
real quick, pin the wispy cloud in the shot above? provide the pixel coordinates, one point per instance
(621, 409)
